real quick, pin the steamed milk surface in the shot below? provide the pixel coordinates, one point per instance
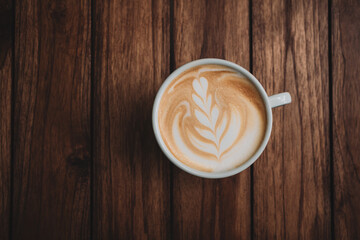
(212, 118)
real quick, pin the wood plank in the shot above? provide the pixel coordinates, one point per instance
(131, 175)
(345, 36)
(52, 120)
(6, 44)
(203, 208)
(292, 178)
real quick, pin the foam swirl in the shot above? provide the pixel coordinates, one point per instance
(212, 118)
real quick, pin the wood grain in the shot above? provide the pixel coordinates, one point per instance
(345, 47)
(211, 209)
(6, 57)
(131, 176)
(292, 178)
(52, 120)
(83, 94)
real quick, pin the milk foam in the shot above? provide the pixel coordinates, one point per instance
(212, 118)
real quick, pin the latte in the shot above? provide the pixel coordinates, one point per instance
(212, 118)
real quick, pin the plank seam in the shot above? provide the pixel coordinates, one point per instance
(92, 125)
(12, 110)
(331, 114)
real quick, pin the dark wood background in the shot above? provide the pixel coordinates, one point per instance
(78, 159)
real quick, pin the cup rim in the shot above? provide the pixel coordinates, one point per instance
(178, 163)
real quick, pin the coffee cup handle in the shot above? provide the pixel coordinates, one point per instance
(279, 99)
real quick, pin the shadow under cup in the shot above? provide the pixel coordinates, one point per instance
(255, 83)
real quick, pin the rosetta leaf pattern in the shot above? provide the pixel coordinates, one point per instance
(208, 114)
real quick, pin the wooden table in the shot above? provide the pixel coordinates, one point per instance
(78, 158)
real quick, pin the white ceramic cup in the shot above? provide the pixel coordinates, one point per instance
(270, 102)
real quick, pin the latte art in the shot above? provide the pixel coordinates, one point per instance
(212, 118)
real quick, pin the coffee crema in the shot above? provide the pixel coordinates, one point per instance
(212, 118)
